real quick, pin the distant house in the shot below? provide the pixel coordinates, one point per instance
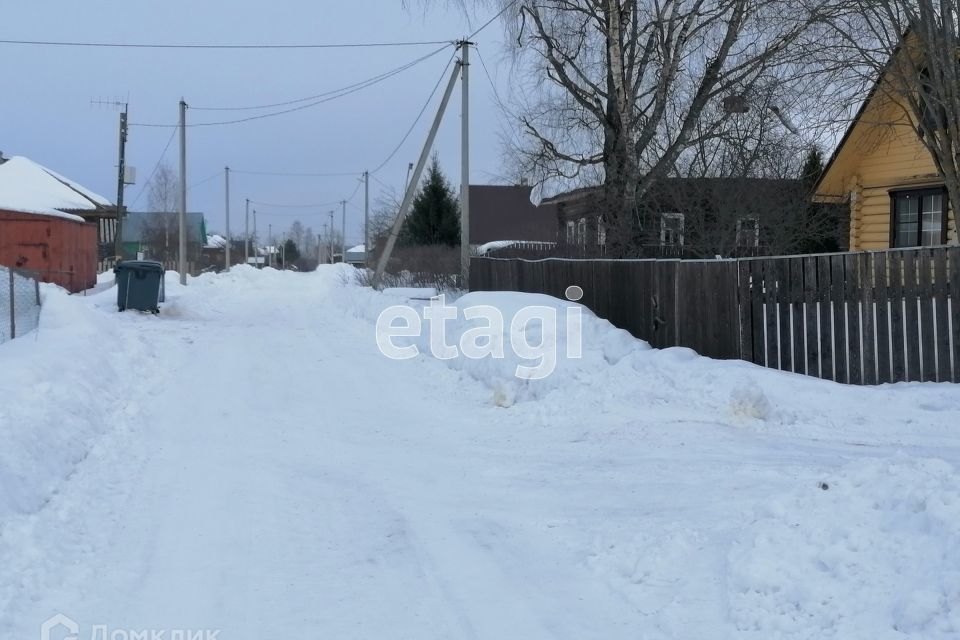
(42, 228)
(357, 256)
(157, 236)
(506, 213)
(882, 172)
(702, 218)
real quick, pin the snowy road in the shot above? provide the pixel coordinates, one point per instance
(262, 470)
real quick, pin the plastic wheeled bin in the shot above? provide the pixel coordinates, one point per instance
(139, 285)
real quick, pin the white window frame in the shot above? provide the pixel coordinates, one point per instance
(601, 232)
(672, 215)
(571, 231)
(582, 232)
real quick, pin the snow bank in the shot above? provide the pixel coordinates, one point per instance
(616, 371)
(870, 552)
(66, 378)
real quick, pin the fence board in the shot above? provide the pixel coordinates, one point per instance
(897, 319)
(797, 317)
(770, 314)
(867, 317)
(911, 317)
(782, 293)
(826, 318)
(953, 258)
(812, 337)
(852, 295)
(837, 298)
(941, 291)
(726, 331)
(881, 295)
(757, 309)
(928, 354)
(745, 311)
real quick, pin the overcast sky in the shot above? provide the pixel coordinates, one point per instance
(47, 113)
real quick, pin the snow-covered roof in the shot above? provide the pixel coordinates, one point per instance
(357, 249)
(28, 187)
(486, 248)
(215, 241)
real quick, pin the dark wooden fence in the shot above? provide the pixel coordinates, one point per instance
(859, 318)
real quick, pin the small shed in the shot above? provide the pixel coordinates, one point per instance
(36, 232)
(357, 255)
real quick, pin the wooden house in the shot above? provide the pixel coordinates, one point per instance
(886, 175)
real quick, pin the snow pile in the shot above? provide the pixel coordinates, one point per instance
(617, 372)
(56, 418)
(869, 552)
(28, 187)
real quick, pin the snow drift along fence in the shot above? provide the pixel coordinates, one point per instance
(19, 303)
(858, 318)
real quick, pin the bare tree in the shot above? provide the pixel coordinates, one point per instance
(163, 191)
(908, 50)
(631, 85)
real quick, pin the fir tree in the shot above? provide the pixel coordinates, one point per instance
(820, 229)
(434, 217)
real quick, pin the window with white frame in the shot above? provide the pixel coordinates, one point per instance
(582, 231)
(571, 231)
(671, 229)
(748, 232)
(601, 231)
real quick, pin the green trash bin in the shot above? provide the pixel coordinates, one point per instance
(139, 285)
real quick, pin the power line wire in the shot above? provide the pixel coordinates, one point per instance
(417, 119)
(294, 206)
(493, 85)
(380, 76)
(262, 116)
(138, 45)
(295, 174)
(156, 168)
(205, 180)
(493, 19)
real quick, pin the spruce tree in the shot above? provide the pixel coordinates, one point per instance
(434, 217)
(819, 231)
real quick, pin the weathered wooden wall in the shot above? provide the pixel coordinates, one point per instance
(57, 250)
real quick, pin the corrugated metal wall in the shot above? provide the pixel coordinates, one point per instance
(58, 250)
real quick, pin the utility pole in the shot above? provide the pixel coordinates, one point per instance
(407, 182)
(183, 192)
(465, 168)
(121, 180)
(367, 251)
(246, 234)
(330, 237)
(226, 173)
(343, 228)
(256, 249)
(408, 195)
(283, 252)
(320, 251)
(270, 247)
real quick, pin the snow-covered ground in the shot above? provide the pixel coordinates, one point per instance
(248, 461)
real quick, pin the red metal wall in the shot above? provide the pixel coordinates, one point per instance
(60, 251)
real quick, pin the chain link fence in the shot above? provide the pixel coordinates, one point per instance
(19, 303)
